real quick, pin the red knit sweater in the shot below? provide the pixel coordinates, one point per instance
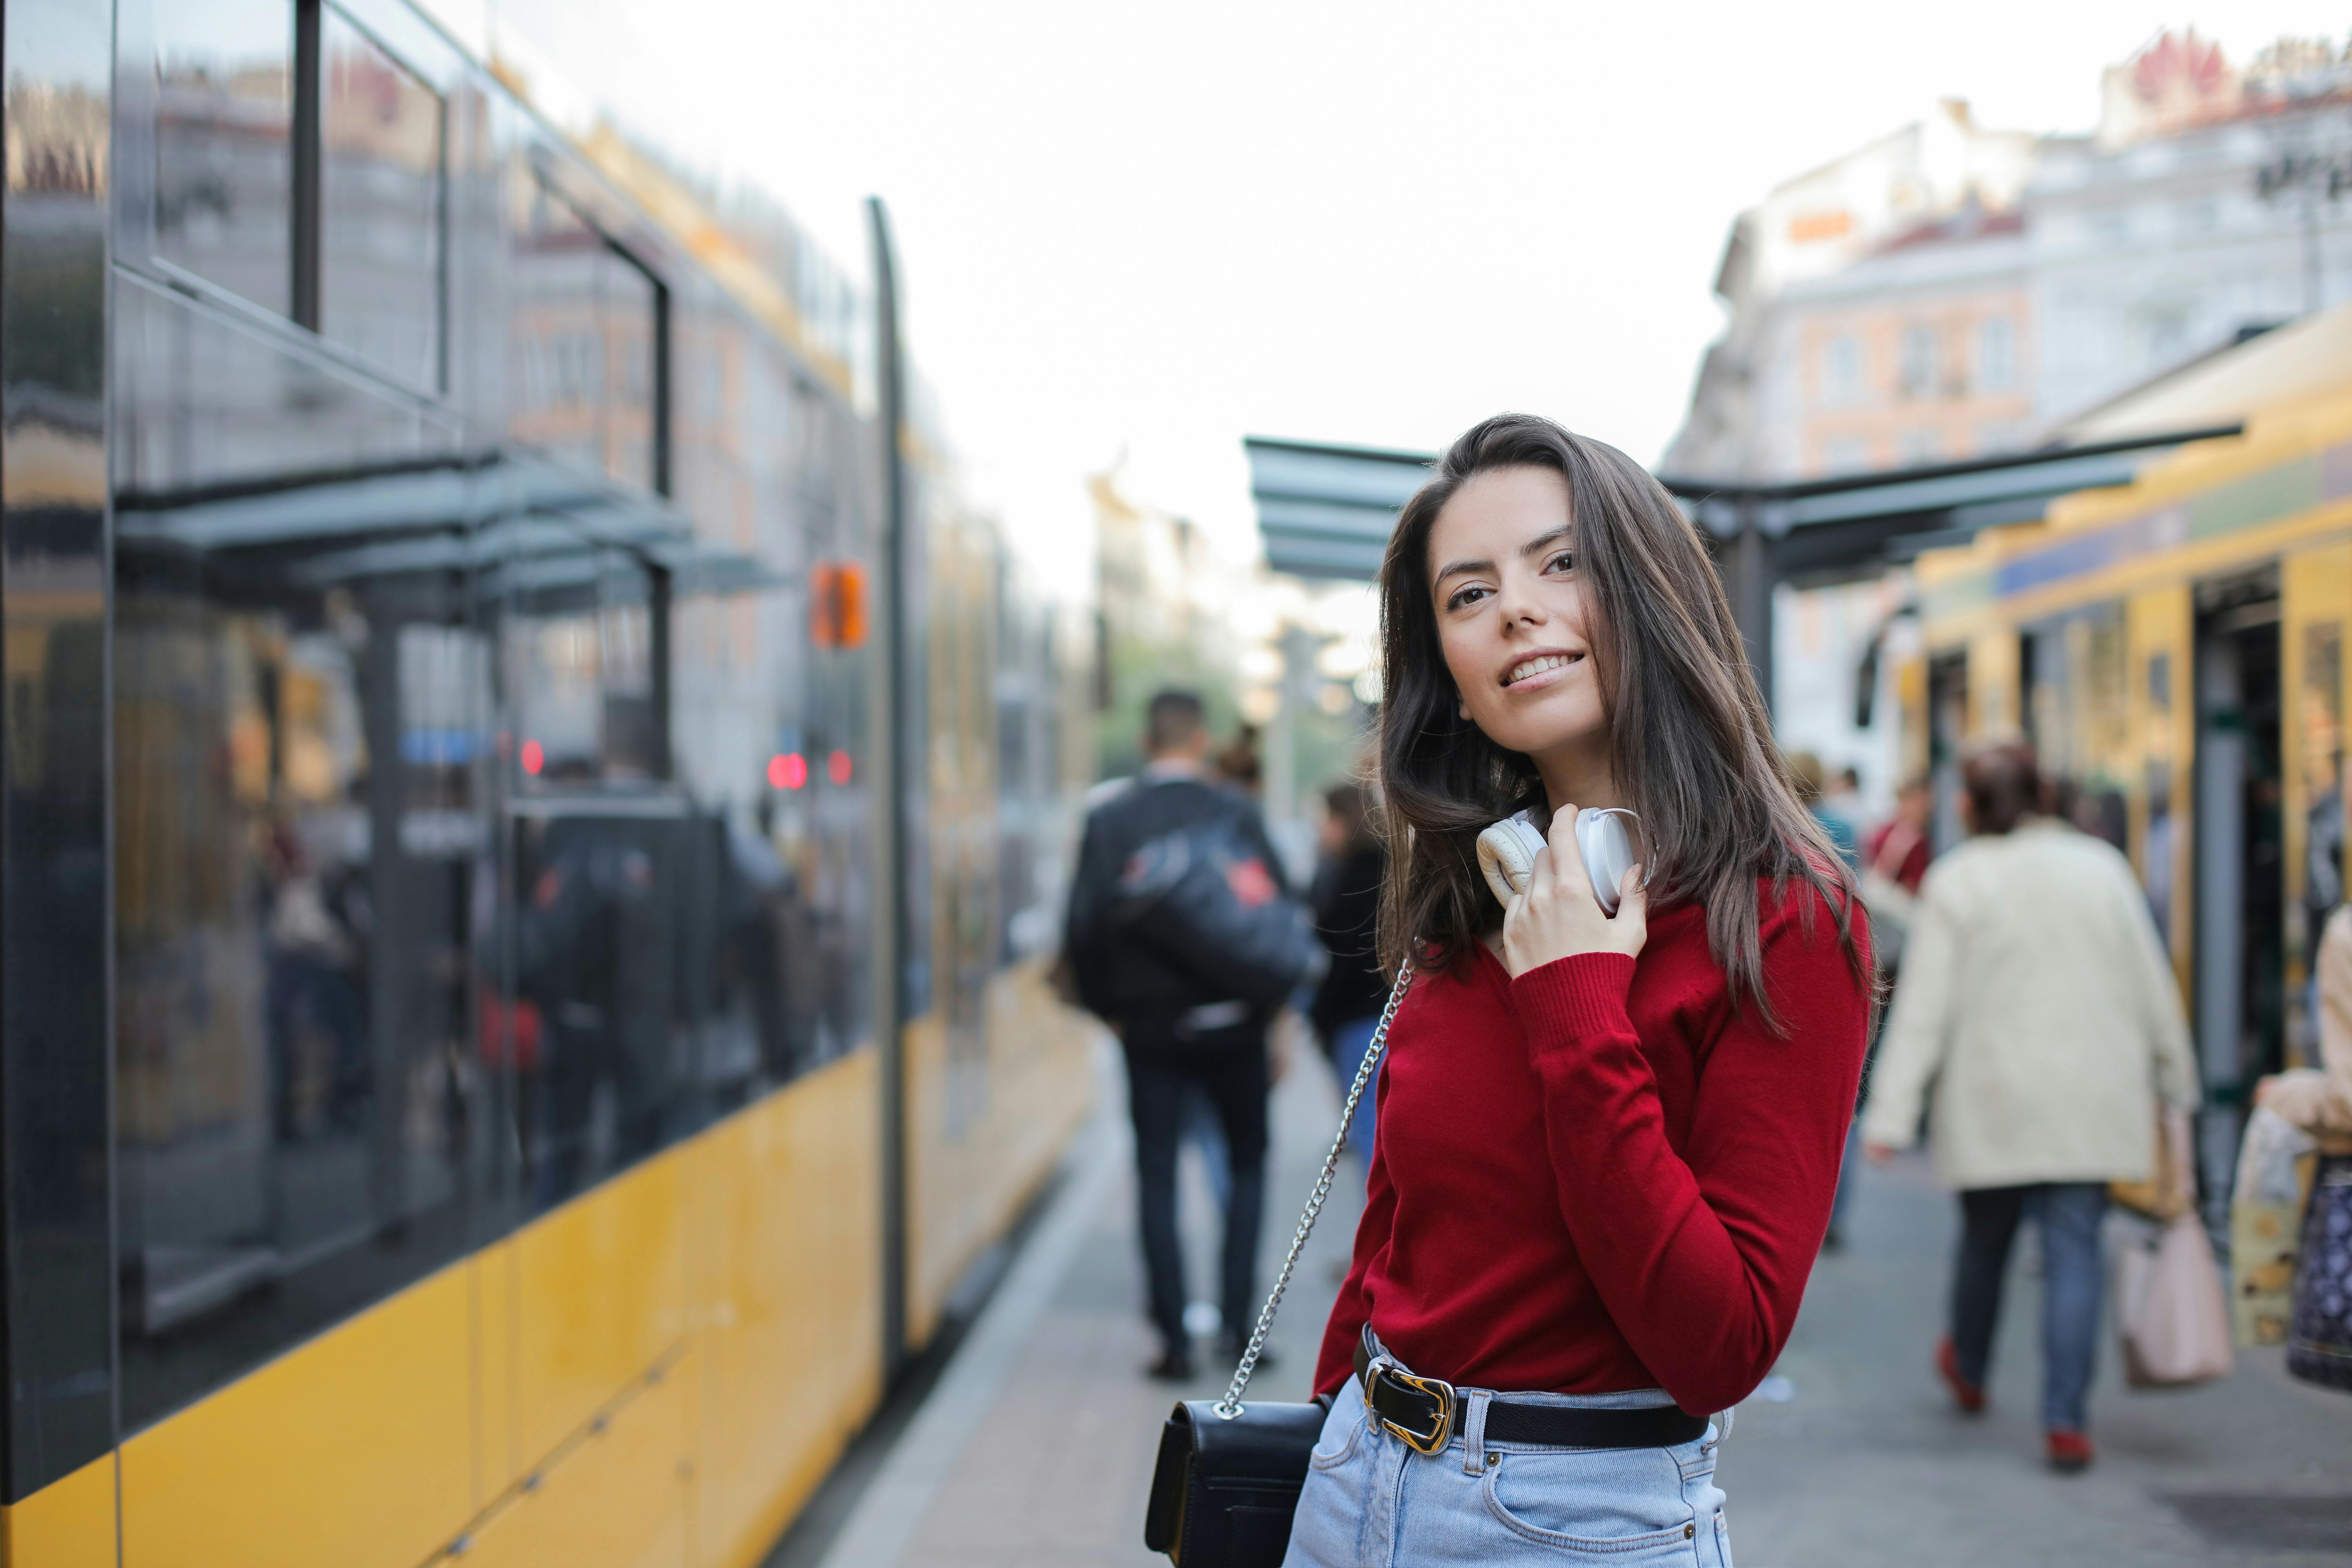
(1602, 1175)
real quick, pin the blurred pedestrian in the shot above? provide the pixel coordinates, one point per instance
(1895, 861)
(1805, 773)
(1177, 1030)
(1241, 763)
(1899, 849)
(2319, 1100)
(2036, 1000)
(1607, 1139)
(1346, 900)
(1842, 798)
(1895, 857)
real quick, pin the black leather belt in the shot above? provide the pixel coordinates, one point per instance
(1422, 1411)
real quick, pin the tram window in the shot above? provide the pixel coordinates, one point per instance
(380, 172)
(301, 846)
(587, 340)
(224, 124)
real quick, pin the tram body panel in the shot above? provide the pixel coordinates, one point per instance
(791, 1338)
(970, 1176)
(356, 1449)
(618, 1495)
(69, 1523)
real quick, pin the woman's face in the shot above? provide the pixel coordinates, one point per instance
(1511, 612)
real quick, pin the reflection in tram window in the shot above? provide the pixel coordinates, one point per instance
(608, 924)
(380, 172)
(297, 807)
(580, 676)
(584, 331)
(224, 178)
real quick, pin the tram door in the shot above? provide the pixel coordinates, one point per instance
(2240, 859)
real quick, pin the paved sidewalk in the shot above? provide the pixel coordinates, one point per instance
(1043, 1431)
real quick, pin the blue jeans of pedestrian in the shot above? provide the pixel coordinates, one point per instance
(1350, 1041)
(1372, 1502)
(2073, 1273)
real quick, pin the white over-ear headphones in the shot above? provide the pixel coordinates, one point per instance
(1506, 852)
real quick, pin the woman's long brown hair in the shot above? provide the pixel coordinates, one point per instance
(1694, 754)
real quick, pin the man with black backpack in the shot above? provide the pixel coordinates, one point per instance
(1184, 937)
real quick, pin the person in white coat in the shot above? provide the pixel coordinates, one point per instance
(2036, 1002)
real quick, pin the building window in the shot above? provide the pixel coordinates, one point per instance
(1917, 448)
(1841, 372)
(1997, 356)
(1845, 455)
(1919, 370)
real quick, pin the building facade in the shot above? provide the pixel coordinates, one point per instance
(1950, 292)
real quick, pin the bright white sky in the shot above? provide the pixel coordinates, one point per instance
(1152, 229)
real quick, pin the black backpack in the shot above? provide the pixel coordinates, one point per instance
(1204, 900)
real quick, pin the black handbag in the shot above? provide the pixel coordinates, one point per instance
(1229, 1473)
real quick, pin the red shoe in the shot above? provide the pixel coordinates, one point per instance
(1966, 1394)
(2070, 1452)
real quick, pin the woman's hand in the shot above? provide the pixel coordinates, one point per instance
(1558, 915)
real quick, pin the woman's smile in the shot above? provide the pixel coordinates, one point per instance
(1543, 668)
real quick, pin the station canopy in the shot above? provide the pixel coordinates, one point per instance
(1326, 510)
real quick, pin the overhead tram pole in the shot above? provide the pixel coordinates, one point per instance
(890, 944)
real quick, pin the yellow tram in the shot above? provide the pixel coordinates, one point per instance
(454, 1106)
(2176, 648)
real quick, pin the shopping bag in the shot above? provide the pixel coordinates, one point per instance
(2319, 1339)
(2170, 1190)
(2267, 1208)
(2175, 1319)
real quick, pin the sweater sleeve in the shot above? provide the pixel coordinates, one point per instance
(1337, 1360)
(1700, 1256)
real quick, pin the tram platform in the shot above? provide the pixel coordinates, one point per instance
(1034, 1444)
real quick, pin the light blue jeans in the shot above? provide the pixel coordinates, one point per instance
(1372, 1502)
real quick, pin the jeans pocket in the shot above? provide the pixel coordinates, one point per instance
(1617, 1505)
(1339, 1441)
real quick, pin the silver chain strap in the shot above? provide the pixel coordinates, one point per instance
(1230, 1407)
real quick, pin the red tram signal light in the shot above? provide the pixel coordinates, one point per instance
(838, 616)
(837, 767)
(787, 770)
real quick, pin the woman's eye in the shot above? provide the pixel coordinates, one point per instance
(1563, 562)
(1466, 596)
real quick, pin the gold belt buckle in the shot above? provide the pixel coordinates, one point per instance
(1433, 1441)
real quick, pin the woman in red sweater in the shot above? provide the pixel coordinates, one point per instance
(1607, 1145)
